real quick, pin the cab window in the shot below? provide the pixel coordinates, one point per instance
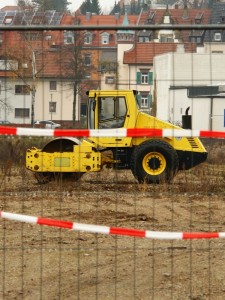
(91, 113)
(111, 112)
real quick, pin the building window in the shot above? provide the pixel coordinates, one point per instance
(217, 36)
(145, 100)
(22, 112)
(53, 85)
(110, 79)
(144, 77)
(151, 18)
(68, 37)
(83, 109)
(8, 65)
(87, 59)
(22, 89)
(105, 38)
(88, 38)
(87, 75)
(166, 38)
(8, 20)
(196, 39)
(199, 40)
(222, 19)
(108, 67)
(198, 18)
(48, 37)
(143, 39)
(32, 36)
(52, 107)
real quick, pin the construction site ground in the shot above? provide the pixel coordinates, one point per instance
(40, 262)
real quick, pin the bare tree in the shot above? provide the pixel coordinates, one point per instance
(76, 64)
(24, 4)
(4, 104)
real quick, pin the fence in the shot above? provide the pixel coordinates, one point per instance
(108, 236)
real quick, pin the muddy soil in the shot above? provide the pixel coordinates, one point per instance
(40, 262)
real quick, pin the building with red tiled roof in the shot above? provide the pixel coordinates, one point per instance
(97, 39)
(99, 43)
(113, 59)
(144, 53)
(178, 16)
(10, 8)
(54, 84)
(147, 44)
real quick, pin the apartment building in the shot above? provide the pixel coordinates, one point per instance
(113, 59)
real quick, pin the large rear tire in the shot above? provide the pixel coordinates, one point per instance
(154, 161)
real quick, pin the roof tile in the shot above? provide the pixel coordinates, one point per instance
(144, 53)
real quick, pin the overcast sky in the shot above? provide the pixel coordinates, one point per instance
(106, 5)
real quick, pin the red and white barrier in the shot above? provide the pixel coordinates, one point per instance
(160, 235)
(119, 132)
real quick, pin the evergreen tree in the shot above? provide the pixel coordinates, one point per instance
(133, 8)
(116, 9)
(138, 7)
(96, 8)
(58, 5)
(122, 11)
(86, 7)
(91, 6)
(25, 4)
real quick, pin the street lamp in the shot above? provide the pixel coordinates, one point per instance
(33, 91)
(51, 108)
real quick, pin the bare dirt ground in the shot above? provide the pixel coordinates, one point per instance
(39, 262)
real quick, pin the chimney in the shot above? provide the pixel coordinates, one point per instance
(117, 15)
(88, 15)
(185, 13)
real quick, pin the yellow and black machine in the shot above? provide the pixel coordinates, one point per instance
(151, 159)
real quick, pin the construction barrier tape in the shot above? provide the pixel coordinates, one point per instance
(119, 132)
(160, 235)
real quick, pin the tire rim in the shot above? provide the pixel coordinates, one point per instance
(154, 163)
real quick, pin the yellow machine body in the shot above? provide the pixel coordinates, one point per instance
(81, 159)
(150, 159)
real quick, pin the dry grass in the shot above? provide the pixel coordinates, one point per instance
(14, 148)
(209, 176)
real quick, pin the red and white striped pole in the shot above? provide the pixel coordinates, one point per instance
(119, 132)
(160, 235)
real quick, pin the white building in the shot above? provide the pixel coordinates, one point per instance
(54, 100)
(174, 73)
(15, 101)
